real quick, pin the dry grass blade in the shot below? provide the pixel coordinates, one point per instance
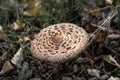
(104, 26)
(111, 60)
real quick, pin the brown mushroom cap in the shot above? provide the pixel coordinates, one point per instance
(59, 42)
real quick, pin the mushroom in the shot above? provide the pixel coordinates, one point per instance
(59, 42)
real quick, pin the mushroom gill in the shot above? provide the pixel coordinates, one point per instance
(59, 42)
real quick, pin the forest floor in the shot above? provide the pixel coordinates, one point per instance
(20, 20)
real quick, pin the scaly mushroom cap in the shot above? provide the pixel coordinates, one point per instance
(59, 42)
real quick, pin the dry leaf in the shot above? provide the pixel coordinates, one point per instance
(35, 79)
(114, 78)
(114, 36)
(109, 1)
(3, 36)
(84, 60)
(3, 57)
(1, 28)
(94, 72)
(6, 68)
(111, 60)
(15, 26)
(18, 57)
(34, 10)
(23, 39)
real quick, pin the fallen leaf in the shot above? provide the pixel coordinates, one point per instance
(114, 36)
(15, 26)
(6, 68)
(3, 36)
(1, 28)
(34, 10)
(18, 57)
(114, 78)
(94, 72)
(24, 39)
(109, 1)
(3, 57)
(35, 79)
(111, 60)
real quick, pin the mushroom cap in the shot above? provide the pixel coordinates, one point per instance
(59, 42)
